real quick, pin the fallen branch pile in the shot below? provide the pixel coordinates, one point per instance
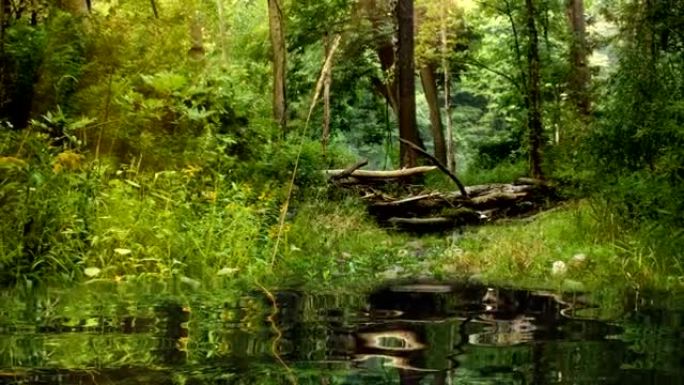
(438, 211)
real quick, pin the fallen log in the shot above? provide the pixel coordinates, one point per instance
(396, 203)
(421, 225)
(413, 209)
(421, 221)
(375, 174)
(445, 221)
(495, 199)
(482, 198)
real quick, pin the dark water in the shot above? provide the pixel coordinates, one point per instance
(399, 334)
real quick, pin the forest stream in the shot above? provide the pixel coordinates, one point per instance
(401, 333)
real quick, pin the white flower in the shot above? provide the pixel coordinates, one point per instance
(578, 260)
(559, 268)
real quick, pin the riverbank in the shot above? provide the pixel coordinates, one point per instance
(194, 229)
(569, 248)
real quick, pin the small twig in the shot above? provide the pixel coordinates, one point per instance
(439, 165)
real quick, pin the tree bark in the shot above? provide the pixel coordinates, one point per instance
(405, 74)
(579, 72)
(534, 118)
(427, 77)
(277, 35)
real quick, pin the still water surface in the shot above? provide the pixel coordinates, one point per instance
(400, 334)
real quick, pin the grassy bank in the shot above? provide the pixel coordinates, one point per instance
(595, 253)
(209, 226)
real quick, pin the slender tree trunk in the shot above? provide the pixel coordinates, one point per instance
(327, 78)
(277, 34)
(387, 87)
(4, 15)
(518, 50)
(4, 8)
(222, 29)
(196, 51)
(155, 12)
(427, 77)
(534, 118)
(450, 153)
(450, 146)
(579, 73)
(408, 129)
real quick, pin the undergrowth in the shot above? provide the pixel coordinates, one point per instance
(596, 251)
(199, 227)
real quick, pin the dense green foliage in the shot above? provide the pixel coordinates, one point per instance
(138, 143)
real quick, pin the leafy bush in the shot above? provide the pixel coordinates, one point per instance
(49, 197)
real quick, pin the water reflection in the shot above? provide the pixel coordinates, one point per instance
(402, 333)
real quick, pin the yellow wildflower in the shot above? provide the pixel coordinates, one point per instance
(67, 160)
(11, 162)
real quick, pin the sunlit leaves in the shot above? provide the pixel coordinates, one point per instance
(91, 271)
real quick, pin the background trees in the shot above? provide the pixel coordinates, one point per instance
(520, 71)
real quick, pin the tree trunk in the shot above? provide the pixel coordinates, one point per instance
(327, 78)
(579, 73)
(4, 11)
(427, 77)
(451, 159)
(196, 51)
(277, 34)
(387, 86)
(405, 74)
(155, 12)
(222, 30)
(534, 118)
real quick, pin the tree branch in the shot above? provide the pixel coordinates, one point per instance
(347, 172)
(492, 70)
(439, 165)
